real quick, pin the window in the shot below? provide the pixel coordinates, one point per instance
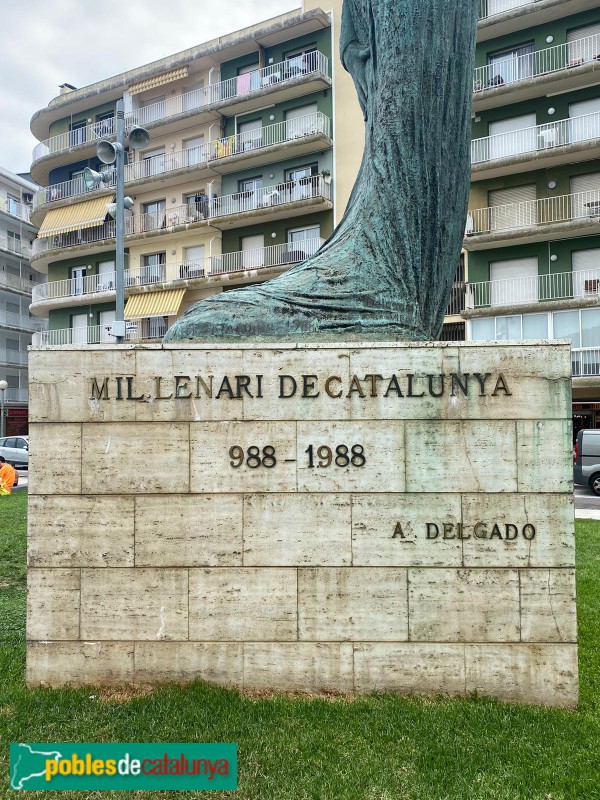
(586, 199)
(511, 65)
(250, 135)
(106, 276)
(253, 251)
(512, 208)
(301, 61)
(193, 96)
(12, 205)
(106, 321)
(153, 161)
(301, 173)
(14, 241)
(584, 120)
(154, 215)
(79, 329)
(251, 184)
(195, 152)
(583, 45)
(301, 122)
(78, 280)
(193, 266)
(154, 108)
(590, 327)
(566, 326)
(197, 205)
(302, 243)
(514, 281)
(304, 183)
(78, 133)
(585, 265)
(535, 326)
(105, 124)
(153, 267)
(513, 136)
(77, 183)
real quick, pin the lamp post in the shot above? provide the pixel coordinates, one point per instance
(3, 388)
(110, 153)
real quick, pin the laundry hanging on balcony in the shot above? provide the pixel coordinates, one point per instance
(154, 304)
(159, 80)
(76, 217)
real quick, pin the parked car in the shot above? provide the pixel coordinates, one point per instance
(15, 449)
(586, 471)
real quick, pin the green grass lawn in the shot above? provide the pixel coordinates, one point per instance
(373, 748)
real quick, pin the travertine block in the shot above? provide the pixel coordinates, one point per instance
(298, 666)
(180, 662)
(129, 604)
(249, 604)
(60, 384)
(53, 604)
(551, 542)
(184, 372)
(461, 456)
(540, 674)
(410, 668)
(383, 453)
(296, 384)
(297, 530)
(463, 605)
(79, 663)
(548, 610)
(211, 469)
(544, 449)
(54, 459)
(398, 530)
(352, 604)
(135, 458)
(195, 531)
(80, 531)
(540, 387)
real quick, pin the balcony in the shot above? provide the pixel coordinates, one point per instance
(501, 17)
(22, 285)
(298, 136)
(15, 209)
(305, 195)
(585, 362)
(526, 76)
(13, 358)
(21, 322)
(242, 93)
(534, 220)
(16, 395)
(14, 247)
(582, 287)
(100, 288)
(140, 330)
(533, 148)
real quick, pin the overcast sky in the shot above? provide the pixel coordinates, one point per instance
(49, 42)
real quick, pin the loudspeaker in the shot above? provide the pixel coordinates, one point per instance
(138, 138)
(91, 178)
(106, 152)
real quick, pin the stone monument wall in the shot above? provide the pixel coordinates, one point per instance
(349, 518)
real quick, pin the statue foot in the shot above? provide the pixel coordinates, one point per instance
(314, 301)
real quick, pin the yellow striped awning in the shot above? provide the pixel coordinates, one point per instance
(159, 80)
(154, 304)
(75, 217)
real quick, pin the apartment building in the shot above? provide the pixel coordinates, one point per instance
(533, 231)
(234, 187)
(17, 280)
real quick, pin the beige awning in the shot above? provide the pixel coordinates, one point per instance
(159, 80)
(75, 217)
(154, 304)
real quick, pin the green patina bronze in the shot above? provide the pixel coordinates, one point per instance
(387, 270)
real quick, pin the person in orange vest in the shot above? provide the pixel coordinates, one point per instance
(8, 476)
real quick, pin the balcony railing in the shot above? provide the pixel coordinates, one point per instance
(194, 157)
(534, 289)
(16, 395)
(8, 281)
(539, 138)
(281, 194)
(15, 209)
(75, 138)
(585, 362)
(262, 258)
(17, 358)
(267, 197)
(233, 89)
(490, 8)
(150, 328)
(22, 321)
(533, 213)
(541, 62)
(17, 247)
(74, 287)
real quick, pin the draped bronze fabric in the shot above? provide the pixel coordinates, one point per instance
(386, 271)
